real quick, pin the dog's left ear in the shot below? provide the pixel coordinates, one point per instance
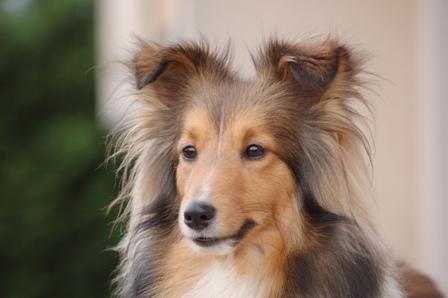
(170, 70)
(311, 68)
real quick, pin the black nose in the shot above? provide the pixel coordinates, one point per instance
(198, 215)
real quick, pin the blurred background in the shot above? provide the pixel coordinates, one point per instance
(54, 233)
(62, 90)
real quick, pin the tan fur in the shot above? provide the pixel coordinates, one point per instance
(295, 222)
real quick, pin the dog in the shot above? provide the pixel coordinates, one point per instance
(251, 188)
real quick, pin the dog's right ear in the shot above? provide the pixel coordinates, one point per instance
(316, 71)
(170, 70)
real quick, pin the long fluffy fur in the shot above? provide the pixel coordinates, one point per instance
(307, 96)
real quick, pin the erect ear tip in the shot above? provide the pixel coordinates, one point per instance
(145, 65)
(172, 68)
(146, 75)
(317, 68)
(314, 64)
(140, 84)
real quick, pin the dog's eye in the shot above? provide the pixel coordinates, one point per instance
(254, 151)
(189, 153)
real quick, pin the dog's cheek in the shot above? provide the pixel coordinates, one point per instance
(181, 182)
(275, 183)
(182, 174)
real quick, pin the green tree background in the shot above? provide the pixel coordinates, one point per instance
(54, 233)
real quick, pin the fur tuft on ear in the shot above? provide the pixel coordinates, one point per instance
(169, 69)
(313, 65)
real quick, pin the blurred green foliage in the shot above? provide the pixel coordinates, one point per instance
(54, 233)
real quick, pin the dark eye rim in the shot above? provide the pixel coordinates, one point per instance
(189, 153)
(251, 155)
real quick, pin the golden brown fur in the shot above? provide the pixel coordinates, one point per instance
(278, 163)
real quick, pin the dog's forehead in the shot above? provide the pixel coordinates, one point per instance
(246, 105)
(227, 99)
(228, 102)
(224, 94)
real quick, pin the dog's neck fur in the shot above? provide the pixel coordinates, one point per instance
(223, 280)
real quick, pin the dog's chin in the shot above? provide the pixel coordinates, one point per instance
(220, 245)
(213, 246)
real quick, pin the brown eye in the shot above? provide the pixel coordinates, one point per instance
(189, 153)
(254, 152)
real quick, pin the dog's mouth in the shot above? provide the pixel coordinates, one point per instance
(236, 238)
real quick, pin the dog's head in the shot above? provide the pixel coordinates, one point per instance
(247, 158)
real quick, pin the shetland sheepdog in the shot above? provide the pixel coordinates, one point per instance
(251, 188)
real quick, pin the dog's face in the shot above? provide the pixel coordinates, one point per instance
(231, 181)
(246, 155)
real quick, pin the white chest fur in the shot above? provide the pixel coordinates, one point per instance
(221, 280)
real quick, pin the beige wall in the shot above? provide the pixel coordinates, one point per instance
(393, 32)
